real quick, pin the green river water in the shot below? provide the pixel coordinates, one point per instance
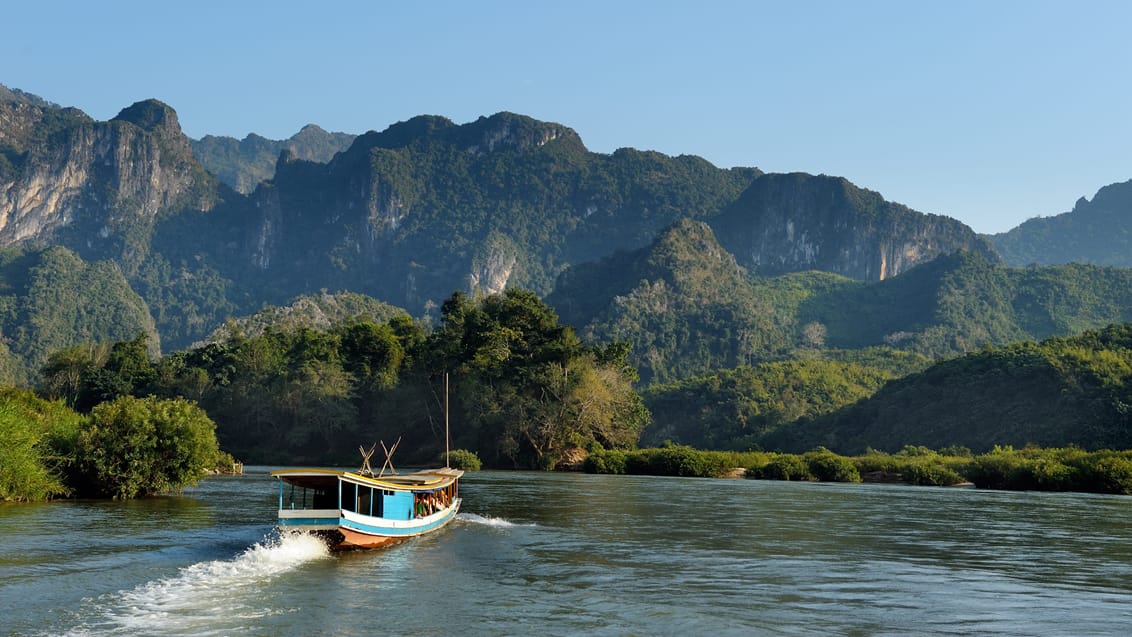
(567, 554)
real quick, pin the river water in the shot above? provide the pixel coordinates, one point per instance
(566, 554)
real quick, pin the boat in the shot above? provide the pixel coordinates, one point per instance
(353, 510)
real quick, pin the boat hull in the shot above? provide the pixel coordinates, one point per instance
(358, 533)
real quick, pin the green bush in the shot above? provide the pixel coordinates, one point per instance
(873, 461)
(785, 467)
(609, 461)
(1109, 472)
(464, 459)
(929, 474)
(827, 466)
(131, 447)
(670, 460)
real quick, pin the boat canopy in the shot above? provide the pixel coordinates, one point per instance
(430, 479)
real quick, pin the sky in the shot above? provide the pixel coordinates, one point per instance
(989, 111)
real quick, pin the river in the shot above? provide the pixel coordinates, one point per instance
(568, 554)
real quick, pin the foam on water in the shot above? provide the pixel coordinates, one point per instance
(212, 597)
(479, 519)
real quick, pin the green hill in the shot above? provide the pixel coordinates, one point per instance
(1060, 392)
(51, 300)
(733, 409)
(683, 304)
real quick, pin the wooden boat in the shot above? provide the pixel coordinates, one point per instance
(353, 510)
(360, 510)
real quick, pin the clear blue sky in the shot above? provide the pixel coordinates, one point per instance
(989, 111)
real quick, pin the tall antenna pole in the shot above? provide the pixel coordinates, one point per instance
(446, 464)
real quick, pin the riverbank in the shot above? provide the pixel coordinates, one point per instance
(1028, 469)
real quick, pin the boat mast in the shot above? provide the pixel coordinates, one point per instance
(446, 464)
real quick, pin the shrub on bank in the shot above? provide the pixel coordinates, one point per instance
(37, 438)
(1063, 469)
(670, 460)
(783, 466)
(131, 447)
(464, 459)
(827, 466)
(929, 474)
(609, 461)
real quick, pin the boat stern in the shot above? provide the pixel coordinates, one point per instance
(308, 519)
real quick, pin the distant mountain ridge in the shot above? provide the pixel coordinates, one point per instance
(1097, 231)
(427, 206)
(243, 164)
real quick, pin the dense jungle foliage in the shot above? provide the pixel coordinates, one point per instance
(52, 299)
(524, 390)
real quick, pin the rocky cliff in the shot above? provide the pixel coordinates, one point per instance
(793, 222)
(98, 187)
(413, 212)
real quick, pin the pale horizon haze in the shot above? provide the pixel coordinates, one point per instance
(991, 112)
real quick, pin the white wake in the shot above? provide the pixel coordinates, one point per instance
(211, 598)
(496, 522)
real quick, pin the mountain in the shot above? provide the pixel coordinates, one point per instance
(682, 302)
(244, 163)
(1097, 231)
(1057, 393)
(97, 187)
(428, 206)
(794, 222)
(688, 308)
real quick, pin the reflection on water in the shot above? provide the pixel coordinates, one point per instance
(578, 554)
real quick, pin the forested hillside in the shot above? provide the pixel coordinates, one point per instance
(525, 391)
(52, 299)
(1060, 392)
(687, 307)
(1097, 231)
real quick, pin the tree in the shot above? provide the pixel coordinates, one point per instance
(133, 447)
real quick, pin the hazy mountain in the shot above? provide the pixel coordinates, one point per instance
(244, 163)
(1097, 231)
(320, 312)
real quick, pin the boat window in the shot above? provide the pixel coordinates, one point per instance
(365, 500)
(297, 497)
(349, 496)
